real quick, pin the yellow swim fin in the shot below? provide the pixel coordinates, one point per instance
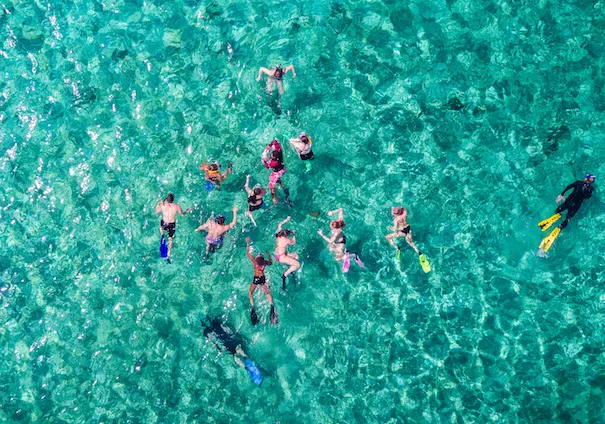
(424, 263)
(545, 225)
(549, 240)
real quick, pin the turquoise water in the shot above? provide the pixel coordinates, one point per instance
(472, 114)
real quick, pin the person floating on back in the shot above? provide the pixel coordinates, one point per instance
(212, 174)
(169, 209)
(216, 231)
(302, 146)
(255, 199)
(338, 241)
(401, 228)
(282, 241)
(223, 337)
(581, 190)
(273, 158)
(259, 263)
(275, 75)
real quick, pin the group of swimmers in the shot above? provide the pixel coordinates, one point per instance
(285, 238)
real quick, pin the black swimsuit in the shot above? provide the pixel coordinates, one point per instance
(170, 227)
(341, 239)
(405, 230)
(252, 207)
(259, 281)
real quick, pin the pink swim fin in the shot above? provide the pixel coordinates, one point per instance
(358, 261)
(346, 263)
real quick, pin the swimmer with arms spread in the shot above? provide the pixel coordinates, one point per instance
(275, 75)
(216, 231)
(401, 228)
(259, 263)
(338, 241)
(282, 241)
(255, 198)
(212, 173)
(169, 210)
(582, 190)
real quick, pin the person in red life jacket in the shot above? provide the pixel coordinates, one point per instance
(273, 158)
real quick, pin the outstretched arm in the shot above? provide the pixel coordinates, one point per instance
(186, 211)
(229, 169)
(340, 213)
(328, 240)
(203, 227)
(282, 223)
(568, 188)
(248, 250)
(268, 258)
(234, 218)
(262, 71)
(247, 185)
(290, 68)
(158, 208)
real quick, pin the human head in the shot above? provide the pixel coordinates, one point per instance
(284, 233)
(397, 210)
(170, 198)
(213, 167)
(304, 137)
(337, 224)
(260, 259)
(275, 154)
(589, 178)
(220, 219)
(258, 191)
(279, 70)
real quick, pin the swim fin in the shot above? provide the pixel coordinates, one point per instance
(283, 282)
(253, 372)
(399, 255)
(308, 166)
(346, 264)
(273, 316)
(424, 263)
(253, 316)
(287, 197)
(545, 225)
(163, 247)
(549, 240)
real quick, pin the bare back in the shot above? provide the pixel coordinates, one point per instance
(281, 245)
(401, 221)
(169, 211)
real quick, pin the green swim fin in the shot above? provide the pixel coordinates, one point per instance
(399, 255)
(545, 225)
(424, 263)
(549, 240)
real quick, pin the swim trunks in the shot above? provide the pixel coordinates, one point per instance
(170, 227)
(307, 156)
(259, 280)
(215, 242)
(405, 230)
(253, 208)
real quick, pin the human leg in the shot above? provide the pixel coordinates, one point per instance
(280, 87)
(250, 294)
(408, 239)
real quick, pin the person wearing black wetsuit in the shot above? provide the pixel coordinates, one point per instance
(581, 190)
(221, 335)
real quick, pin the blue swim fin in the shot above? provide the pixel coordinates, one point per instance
(209, 186)
(163, 248)
(253, 372)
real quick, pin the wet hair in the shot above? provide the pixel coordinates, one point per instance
(283, 233)
(398, 210)
(260, 260)
(169, 198)
(257, 191)
(279, 70)
(304, 138)
(214, 167)
(338, 224)
(220, 219)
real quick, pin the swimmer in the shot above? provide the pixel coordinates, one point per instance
(212, 173)
(222, 336)
(216, 231)
(255, 198)
(273, 158)
(302, 146)
(259, 263)
(401, 228)
(338, 241)
(169, 209)
(282, 241)
(275, 75)
(582, 190)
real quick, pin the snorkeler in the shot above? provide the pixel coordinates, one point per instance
(259, 263)
(212, 174)
(338, 241)
(169, 209)
(255, 198)
(302, 146)
(222, 336)
(581, 190)
(282, 241)
(273, 158)
(216, 231)
(401, 228)
(275, 75)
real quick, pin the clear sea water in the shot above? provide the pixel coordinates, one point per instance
(472, 114)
